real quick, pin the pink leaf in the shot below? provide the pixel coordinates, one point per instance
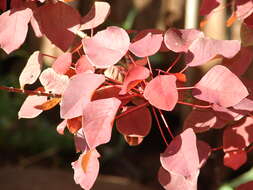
(78, 93)
(207, 6)
(53, 82)
(239, 135)
(246, 186)
(13, 28)
(215, 87)
(180, 40)
(61, 127)
(235, 159)
(204, 151)
(135, 73)
(205, 49)
(62, 63)
(136, 123)
(146, 46)
(181, 156)
(171, 181)
(86, 169)
(96, 15)
(36, 27)
(107, 47)
(32, 70)
(56, 24)
(98, 117)
(83, 65)
(161, 92)
(244, 8)
(28, 109)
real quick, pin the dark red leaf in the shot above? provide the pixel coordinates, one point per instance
(235, 159)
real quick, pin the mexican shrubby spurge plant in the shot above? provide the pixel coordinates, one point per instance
(108, 77)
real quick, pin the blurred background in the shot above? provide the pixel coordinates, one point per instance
(33, 156)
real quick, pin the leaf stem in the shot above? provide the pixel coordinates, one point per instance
(29, 92)
(194, 105)
(150, 68)
(166, 124)
(174, 63)
(46, 55)
(132, 110)
(159, 126)
(183, 70)
(186, 88)
(216, 149)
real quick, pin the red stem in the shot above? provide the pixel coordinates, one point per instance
(166, 124)
(46, 55)
(159, 126)
(174, 63)
(194, 105)
(183, 70)
(132, 110)
(77, 48)
(29, 92)
(150, 68)
(186, 88)
(216, 149)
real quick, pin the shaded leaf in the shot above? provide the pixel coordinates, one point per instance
(83, 65)
(61, 127)
(49, 104)
(246, 186)
(235, 159)
(74, 124)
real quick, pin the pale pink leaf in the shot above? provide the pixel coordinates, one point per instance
(107, 47)
(161, 92)
(147, 46)
(83, 65)
(239, 135)
(53, 82)
(32, 70)
(28, 109)
(98, 117)
(36, 27)
(96, 16)
(135, 73)
(171, 181)
(62, 63)
(205, 49)
(13, 28)
(235, 159)
(181, 156)
(78, 94)
(180, 40)
(244, 8)
(56, 24)
(87, 176)
(61, 127)
(215, 87)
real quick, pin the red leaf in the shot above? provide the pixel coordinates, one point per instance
(83, 65)
(78, 94)
(135, 73)
(86, 169)
(54, 82)
(13, 28)
(107, 47)
(180, 40)
(28, 109)
(235, 159)
(49, 104)
(246, 186)
(74, 124)
(96, 16)
(57, 23)
(238, 136)
(136, 123)
(207, 6)
(215, 87)
(181, 156)
(205, 49)
(161, 92)
(201, 120)
(32, 70)
(204, 151)
(147, 46)
(62, 63)
(3, 5)
(240, 63)
(98, 117)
